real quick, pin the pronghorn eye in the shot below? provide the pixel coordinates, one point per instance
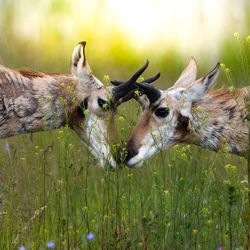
(103, 104)
(162, 112)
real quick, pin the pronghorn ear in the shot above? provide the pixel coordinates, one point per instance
(188, 75)
(195, 91)
(79, 65)
(201, 86)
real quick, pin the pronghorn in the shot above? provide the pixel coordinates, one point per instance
(188, 113)
(35, 101)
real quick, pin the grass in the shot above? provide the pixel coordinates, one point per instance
(53, 191)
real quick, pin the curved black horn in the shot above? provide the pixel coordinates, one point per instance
(138, 73)
(124, 91)
(128, 96)
(152, 79)
(123, 88)
(151, 92)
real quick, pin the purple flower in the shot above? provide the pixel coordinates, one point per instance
(6, 148)
(90, 236)
(50, 245)
(22, 248)
(220, 248)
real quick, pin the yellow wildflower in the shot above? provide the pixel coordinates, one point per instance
(195, 231)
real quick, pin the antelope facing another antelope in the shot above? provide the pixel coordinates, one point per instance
(185, 113)
(35, 101)
(188, 113)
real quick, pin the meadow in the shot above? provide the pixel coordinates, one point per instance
(53, 194)
(188, 198)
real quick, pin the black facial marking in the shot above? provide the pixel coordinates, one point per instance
(83, 106)
(103, 104)
(182, 124)
(131, 150)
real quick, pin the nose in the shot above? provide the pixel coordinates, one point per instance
(131, 150)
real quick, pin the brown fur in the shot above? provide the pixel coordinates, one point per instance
(139, 131)
(31, 74)
(34, 74)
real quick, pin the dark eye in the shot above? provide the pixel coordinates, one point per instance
(103, 104)
(162, 112)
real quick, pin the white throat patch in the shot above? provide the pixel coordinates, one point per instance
(96, 133)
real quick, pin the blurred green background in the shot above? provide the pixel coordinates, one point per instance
(121, 35)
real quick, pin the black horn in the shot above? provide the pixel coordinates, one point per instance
(151, 92)
(123, 90)
(152, 79)
(138, 73)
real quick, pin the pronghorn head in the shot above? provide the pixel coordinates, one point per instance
(100, 103)
(164, 121)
